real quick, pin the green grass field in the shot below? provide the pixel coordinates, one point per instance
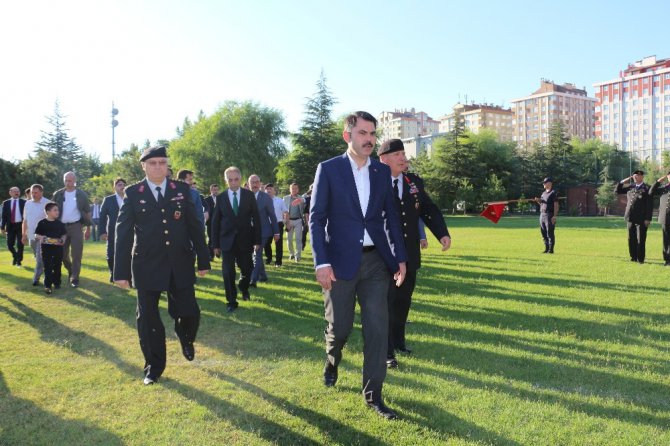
(511, 347)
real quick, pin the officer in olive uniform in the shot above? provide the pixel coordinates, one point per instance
(157, 236)
(663, 213)
(412, 203)
(638, 213)
(548, 212)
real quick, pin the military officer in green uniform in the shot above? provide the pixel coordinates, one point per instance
(663, 212)
(639, 208)
(413, 204)
(157, 237)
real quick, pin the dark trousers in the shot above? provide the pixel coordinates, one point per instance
(637, 238)
(547, 230)
(666, 242)
(399, 302)
(305, 230)
(258, 273)
(110, 257)
(14, 243)
(241, 257)
(208, 226)
(182, 307)
(279, 247)
(370, 286)
(52, 259)
(94, 229)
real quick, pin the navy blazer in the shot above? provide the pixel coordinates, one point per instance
(108, 213)
(7, 212)
(336, 220)
(266, 213)
(242, 230)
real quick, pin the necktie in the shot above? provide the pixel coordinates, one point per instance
(396, 190)
(160, 196)
(235, 203)
(13, 211)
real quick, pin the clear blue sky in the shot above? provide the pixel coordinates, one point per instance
(161, 61)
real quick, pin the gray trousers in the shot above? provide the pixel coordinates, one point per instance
(39, 265)
(370, 286)
(295, 236)
(73, 249)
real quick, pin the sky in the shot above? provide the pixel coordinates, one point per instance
(162, 61)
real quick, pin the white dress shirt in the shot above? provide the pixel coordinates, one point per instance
(362, 180)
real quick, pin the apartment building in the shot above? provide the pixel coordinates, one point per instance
(534, 114)
(633, 110)
(478, 116)
(403, 124)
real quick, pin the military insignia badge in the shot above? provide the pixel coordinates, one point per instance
(177, 215)
(142, 202)
(141, 188)
(172, 185)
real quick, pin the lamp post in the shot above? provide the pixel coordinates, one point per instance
(115, 112)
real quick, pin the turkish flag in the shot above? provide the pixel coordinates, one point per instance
(494, 211)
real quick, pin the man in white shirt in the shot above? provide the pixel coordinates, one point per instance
(33, 212)
(281, 212)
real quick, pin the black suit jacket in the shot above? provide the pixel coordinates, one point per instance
(639, 206)
(109, 211)
(209, 202)
(415, 204)
(242, 230)
(7, 212)
(154, 243)
(664, 204)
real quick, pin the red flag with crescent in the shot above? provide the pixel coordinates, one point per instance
(494, 211)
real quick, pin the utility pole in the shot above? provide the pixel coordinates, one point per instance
(115, 112)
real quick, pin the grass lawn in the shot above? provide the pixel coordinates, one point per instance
(511, 347)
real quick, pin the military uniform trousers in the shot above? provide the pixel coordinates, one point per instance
(182, 307)
(637, 239)
(547, 230)
(666, 242)
(399, 302)
(370, 286)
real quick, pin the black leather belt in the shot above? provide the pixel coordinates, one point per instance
(368, 248)
(73, 223)
(294, 219)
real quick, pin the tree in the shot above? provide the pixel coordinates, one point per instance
(56, 153)
(605, 197)
(319, 139)
(126, 165)
(10, 176)
(243, 134)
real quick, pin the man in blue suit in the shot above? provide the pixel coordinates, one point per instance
(107, 223)
(269, 228)
(352, 207)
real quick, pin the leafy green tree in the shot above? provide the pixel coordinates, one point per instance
(56, 153)
(10, 176)
(319, 139)
(243, 134)
(126, 165)
(494, 189)
(605, 197)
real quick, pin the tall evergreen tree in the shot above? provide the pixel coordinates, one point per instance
(318, 139)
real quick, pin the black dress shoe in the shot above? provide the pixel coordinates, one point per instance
(252, 284)
(232, 307)
(35, 283)
(404, 350)
(245, 296)
(329, 375)
(75, 283)
(188, 350)
(382, 410)
(391, 362)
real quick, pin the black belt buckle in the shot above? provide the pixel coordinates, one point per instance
(368, 248)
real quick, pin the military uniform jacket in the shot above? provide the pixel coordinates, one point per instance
(664, 205)
(639, 206)
(156, 242)
(415, 204)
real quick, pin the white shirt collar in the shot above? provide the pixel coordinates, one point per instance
(353, 163)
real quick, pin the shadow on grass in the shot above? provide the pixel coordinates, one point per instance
(23, 422)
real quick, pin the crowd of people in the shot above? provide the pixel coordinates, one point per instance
(365, 217)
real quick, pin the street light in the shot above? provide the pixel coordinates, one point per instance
(115, 112)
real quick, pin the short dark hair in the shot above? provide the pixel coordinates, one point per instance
(117, 180)
(38, 186)
(50, 206)
(350, 121)
(27, 191)
(269, 185)
(213, 185)
(183, 173)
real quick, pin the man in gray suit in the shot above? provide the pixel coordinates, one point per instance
(269, 227)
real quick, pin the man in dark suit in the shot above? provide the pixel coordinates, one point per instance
(639, 209)
(157, 237)
(663, 213)
(352, 208)
(236, 234)
(107, 221)
(12, 220)
(269, 227)
(413, 204)
(210, 201)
